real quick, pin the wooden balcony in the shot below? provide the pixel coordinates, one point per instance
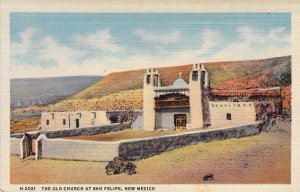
(182, 103)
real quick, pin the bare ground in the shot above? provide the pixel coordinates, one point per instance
(265, 158)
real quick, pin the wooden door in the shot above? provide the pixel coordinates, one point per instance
(180, 122)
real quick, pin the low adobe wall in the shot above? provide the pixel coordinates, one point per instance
(78, 150)
(15, 146)
(77, 131)
(143, 148)
(133, 149)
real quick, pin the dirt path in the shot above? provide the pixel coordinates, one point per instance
(265, 158)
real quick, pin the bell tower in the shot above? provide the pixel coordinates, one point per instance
(151, 80)
(198, 84)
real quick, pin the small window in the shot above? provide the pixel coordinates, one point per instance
(148, 79)
(195, 76)
(47, 122)
(64, 121)
(94, 115)
(155, 83)
(228, 116)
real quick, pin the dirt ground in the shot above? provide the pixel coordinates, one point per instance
(265, 158)
(23, 125)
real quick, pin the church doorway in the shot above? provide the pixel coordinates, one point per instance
(180, 122)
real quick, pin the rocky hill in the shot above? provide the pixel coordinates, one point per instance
(123, 90)
(224, 75)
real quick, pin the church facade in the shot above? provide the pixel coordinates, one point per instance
(188, 106)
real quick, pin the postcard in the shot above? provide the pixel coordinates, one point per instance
(149, 96)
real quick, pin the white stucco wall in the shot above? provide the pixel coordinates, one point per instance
(86, 119)
(241, 113)
(79, 150)
(165, 119)
(15, 146)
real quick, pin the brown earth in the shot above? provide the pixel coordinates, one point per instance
(265, 158)
(23, 125)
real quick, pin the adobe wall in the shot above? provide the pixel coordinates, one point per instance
(78, 131)
(137, 122)
(60, 120)
(15, 146)
(164, 118)
(240, 112)
(131, 149)
(79, 150)
(143, 148)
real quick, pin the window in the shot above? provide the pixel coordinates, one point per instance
(64, 121)
(195, 76)
(155, 83)
(94, 115)
(228, 116)
(148, 79)
(47, 122)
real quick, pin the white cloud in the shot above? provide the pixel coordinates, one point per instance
(25, 44)
(82, 60)
(256, 44)
(211, 38)
(278, 35)
(253, 35)
(61, 54)
(101, 40)
(165, 38)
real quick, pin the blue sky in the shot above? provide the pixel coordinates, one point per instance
(63, 44)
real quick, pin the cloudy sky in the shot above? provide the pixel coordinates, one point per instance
(64, 44)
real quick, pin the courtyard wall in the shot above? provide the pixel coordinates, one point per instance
(133, 149)
(147, 147)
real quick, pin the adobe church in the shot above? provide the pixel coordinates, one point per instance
(187, 106)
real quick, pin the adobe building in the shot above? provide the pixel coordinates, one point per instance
(188, 106)
(62, 120)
